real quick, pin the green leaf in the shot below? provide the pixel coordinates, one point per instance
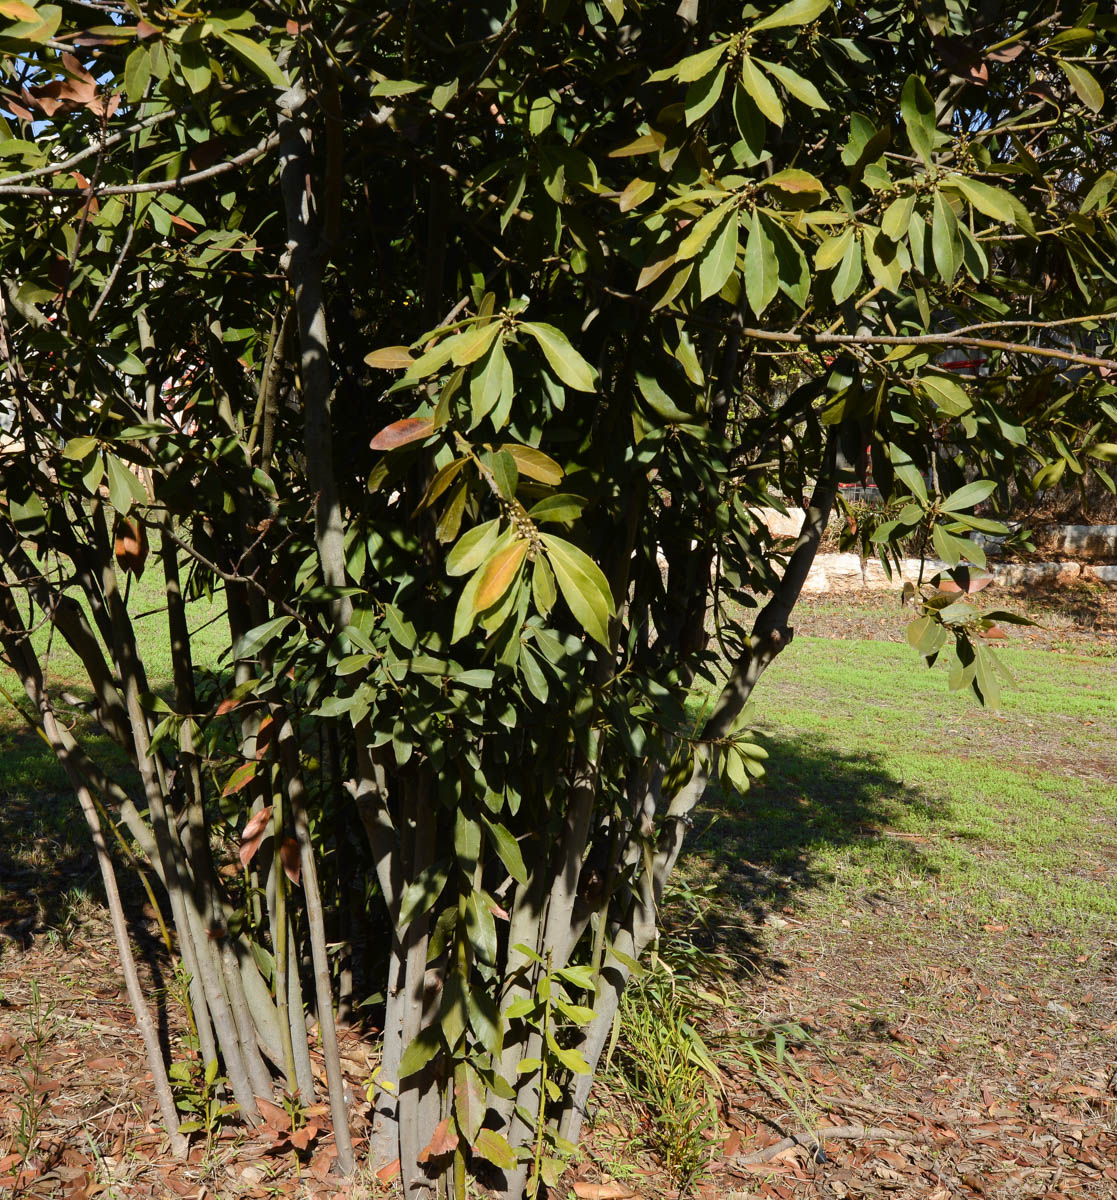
(947, 394)
(697, 65)
(481, 928)
(560, 507)
(420, 1052)
(795, 12)
(486, 385)
(918, 110)
(579, 976)
(422, 892)
(1086, 86)
(472, 548)
(508, 850)
(717, 264)
(492, 1146)
(794, 273)
(897, 218)
(540, 114)
(800, 88)
(702, 95)
(762, 277)
(451, 1010)
(801, 185)
(506, 474)
(391, 88)
(882, 258)
(124, 361)
(535, 464)
(256, 56)
(953, 549)
(702, 230)
(474, 343)
(442, 480)
(467, 841)
(969, 495)
(756, 83)
(944, 239)
(137, 74)
(635, 193)
(194, 66)
(543, 586)
(564, 360)
(255, 639)
(124, 487)
(583, 586)
(531, 671)
(572, 1060)
(847, 278)
(484, 1019)
(992, 201)
(833, 250)
(909, 475)
(79, 448)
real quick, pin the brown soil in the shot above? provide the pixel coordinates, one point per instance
(965, 1063)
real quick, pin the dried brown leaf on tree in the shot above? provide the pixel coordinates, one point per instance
(253, 834)
(444, 1141)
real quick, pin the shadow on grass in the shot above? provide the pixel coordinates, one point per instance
(47, 862)
(754, 854)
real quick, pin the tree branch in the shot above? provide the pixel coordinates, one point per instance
(133, 189)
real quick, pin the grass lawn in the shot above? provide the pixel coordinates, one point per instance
(879, 774)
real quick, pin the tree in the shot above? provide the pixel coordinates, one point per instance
(457, 347)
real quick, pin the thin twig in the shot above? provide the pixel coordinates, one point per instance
(57, 168)
(167, 185)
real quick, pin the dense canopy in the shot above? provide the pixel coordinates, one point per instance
(457, 347)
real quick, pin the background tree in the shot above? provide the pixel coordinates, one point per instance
(457, 347)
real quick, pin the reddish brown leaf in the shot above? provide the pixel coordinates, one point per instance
(253, 834)
(131, 546)
(388, 1172)
(399, 433)
(442, 1143)
(264, 736)
(144, 30)
(301, 1138)
(227, 705)
(498, 574)
(994, 631)
(289, 857)
(274, 1115)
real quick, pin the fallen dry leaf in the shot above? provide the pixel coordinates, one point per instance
(602, 1191)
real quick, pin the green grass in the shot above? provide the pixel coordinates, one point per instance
(880, 779)
(147, 601)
